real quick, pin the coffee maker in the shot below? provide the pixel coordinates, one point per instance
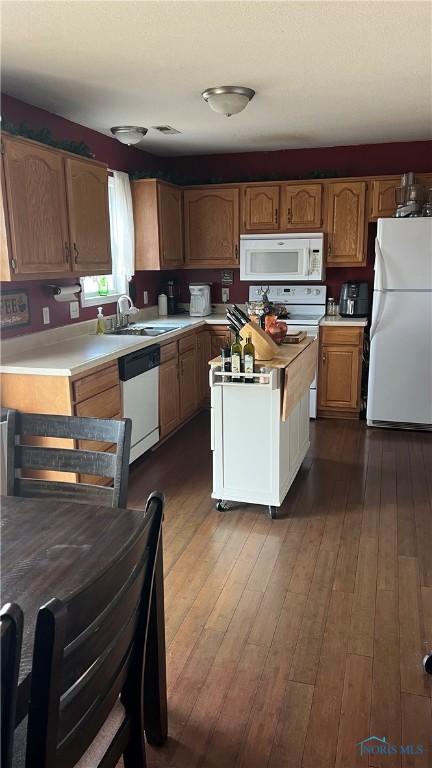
(354, 299)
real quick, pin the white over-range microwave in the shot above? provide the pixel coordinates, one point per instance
(285, 257)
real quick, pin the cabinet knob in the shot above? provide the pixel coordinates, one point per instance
(236, 252)
(76, 253)
(289, 215)
(67, 251)
(324, 357)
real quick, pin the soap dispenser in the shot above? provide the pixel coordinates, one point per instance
(100, 326)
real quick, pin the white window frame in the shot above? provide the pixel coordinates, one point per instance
(120, 286)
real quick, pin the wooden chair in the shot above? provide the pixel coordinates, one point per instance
(26, 429)
(86, 701)
(11, 629)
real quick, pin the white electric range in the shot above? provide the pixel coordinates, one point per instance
(306, 306)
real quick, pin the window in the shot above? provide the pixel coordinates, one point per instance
(103, 289)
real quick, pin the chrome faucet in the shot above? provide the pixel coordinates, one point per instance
(123, 310)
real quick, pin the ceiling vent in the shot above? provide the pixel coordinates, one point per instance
(166, 129)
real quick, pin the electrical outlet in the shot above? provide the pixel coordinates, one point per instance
(225, 295)
(45, 315)
(145, 297)
(74, 310)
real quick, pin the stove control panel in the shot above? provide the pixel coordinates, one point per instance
(289, 294)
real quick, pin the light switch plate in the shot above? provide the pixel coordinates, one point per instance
(74, 310)
(225, 295)
(46, 315)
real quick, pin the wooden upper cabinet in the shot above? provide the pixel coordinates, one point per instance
(87, 198)
(158, 222)
(170, 225)
(383, 198)
(346, 224)
(35, 211)
(211, 222)
(301, 207)
(261, 208)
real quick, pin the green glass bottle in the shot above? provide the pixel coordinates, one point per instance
(236, 359)
(249, 360)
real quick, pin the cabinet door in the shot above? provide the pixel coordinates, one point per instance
(301, 207)
(188, 384)
(170, 225)
(87, 196)
(383, 198)
(169, 397)
(220, 336)
(203, 358)
(261, 207)
(36, 206)
(346, 224)
(211, 221)
(339, 372)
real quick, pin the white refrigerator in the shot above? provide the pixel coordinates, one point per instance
(400, 365)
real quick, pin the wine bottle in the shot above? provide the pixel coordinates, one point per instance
(236, 359)
(249, 360)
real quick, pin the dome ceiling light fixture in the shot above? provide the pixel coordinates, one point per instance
(129, 134)
(228, 99)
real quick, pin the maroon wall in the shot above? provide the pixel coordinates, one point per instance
(358, 160)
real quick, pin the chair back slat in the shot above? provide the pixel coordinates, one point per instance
(11, 629)
(84, 492)
(104, 675)
(88, 650)
(83, 651)
(65, 460)
(43, 425)
(25, 455)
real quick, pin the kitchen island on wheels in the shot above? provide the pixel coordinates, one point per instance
(260, 429)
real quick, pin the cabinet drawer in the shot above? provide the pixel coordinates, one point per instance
(188, 342)
(105, 405)
(168, 351)
(98, 381)
(341, 335)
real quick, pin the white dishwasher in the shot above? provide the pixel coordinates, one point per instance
(139, 379)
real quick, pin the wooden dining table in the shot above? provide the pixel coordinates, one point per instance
(52, 548)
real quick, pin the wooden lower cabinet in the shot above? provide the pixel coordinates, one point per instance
(339, 372)
(220, 336)
(203, 357)
(169, 397)
(188, 384)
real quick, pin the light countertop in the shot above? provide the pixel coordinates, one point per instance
(338, 320)
(70, 357)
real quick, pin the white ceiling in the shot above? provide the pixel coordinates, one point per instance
(325, 73)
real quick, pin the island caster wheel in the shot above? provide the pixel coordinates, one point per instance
(272, 512)
(427, 663)
(222, 506)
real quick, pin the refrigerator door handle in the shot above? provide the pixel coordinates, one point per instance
(379, 267)
(378, 297)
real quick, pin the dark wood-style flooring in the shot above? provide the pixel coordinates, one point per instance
(290, 641)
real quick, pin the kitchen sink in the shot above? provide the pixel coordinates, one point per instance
(139, 330)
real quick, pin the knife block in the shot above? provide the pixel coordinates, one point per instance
(265, 347)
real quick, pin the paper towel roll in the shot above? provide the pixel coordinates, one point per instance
(65, 292)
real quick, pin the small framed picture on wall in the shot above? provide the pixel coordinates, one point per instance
(14, 309)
